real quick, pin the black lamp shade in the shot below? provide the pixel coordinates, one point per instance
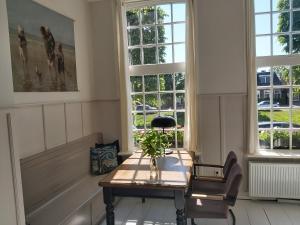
(163, 122)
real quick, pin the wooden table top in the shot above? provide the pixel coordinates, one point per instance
(174, 172)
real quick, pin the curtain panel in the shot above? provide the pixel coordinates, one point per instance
(125, 101)
(191, 80)
(252, 133)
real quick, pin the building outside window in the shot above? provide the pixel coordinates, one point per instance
(156, 54)
(277, 29)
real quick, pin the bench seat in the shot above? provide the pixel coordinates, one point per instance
(69, 204)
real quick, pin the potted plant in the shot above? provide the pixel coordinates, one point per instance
(153, 143)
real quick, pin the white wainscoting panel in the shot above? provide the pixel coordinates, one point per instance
(90, 115)
(74, 121)
(7, 199)
(109, 120)
(28, 131)
(55, 125)
(233, 130)
(210, 129)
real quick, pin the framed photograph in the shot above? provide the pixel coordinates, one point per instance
(42, 48)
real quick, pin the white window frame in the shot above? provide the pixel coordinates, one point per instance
(279, 60)
(156, 69)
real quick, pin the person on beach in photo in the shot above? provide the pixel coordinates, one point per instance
(49, 44)
(22, 44)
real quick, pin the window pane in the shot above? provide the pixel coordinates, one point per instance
(263, 98)
(262, 24)
(165, 54)
(264, 139)
(179, 32)
(136, 137)
(163, 13)
(137, 102)
(280, 5)
(138, 120)
(296, 20)
(296, 43)
(151, 102)
(296, 118)
(281, 97)
(136, 83)
(296, 140)
(281, 45)
(180, 119)
(179, 53)
(179, 12)
(179, 81)
(134, 37)
(262, 5)
(134, 56)
(281, 118)
(167, 113)
(263, 46)
(296, 75)
(281, 139)
(281, 75)
(150, 83)
(172, 138)
(149, 35)
(149, 55)
(281, 22)
(180, 104)
(296, 3)
(164, 34)
(166, 82)
(148, 15)
(263, 76)
(132, 17)
(296, 97)
(264, 118)
(167, 101)
(149, 118)
(180, 135)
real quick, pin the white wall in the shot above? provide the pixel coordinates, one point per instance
(41, 121)
(79, 10)
(223, 81)
(221, 35)
(105, 59)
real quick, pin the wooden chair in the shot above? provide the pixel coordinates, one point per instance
(199, 205)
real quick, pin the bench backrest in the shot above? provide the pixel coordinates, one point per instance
(47, 174)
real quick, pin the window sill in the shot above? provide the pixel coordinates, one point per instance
(269, 154)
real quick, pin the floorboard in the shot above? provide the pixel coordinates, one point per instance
(131, 211)
(275, 214)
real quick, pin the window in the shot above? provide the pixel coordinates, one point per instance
(156, 54)
(278, 73)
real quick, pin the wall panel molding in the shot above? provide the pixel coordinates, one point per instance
(54, 124)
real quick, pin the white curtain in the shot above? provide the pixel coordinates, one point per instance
(251, 73)
(125, 102)
(191, 115)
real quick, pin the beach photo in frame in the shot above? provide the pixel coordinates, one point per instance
(42, 48)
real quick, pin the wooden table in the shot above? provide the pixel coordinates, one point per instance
(132, 179)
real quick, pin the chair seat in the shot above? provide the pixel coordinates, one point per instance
(208, 187)
(198, 208)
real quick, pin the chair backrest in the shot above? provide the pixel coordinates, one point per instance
(232, 184)
(230, 161)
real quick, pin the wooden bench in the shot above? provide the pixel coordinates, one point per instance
(58, 188)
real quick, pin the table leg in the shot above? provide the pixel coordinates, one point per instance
(179, 205)
(108, 200)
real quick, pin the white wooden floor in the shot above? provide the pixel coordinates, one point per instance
(131, 211)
